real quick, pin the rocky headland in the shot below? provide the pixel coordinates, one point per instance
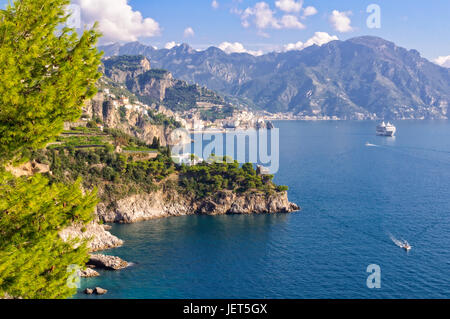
(166, 204)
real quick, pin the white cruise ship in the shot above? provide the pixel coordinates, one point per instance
(386, 129)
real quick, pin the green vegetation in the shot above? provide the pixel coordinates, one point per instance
(184, 97)
(140, 149)
(39, 89)
(116, 175)
(34, 260)
(161, 119)
(207, 178)
(217, 113)
(147, 76)
(123, 113)
(124, 62)
(46, 73)
(82, 130)
(181, 98)
(78, 141)
(82, 137)
(119, 138)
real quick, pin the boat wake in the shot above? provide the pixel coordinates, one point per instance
(396, 241)
(400, 242)
(371, 145)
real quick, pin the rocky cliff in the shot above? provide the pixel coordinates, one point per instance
(164, 203)
(126, 69)
(168, 203)
(136, 74)
(129, 121)
(153, 84)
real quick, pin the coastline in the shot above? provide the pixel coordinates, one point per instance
(272, 119)
(163, 204)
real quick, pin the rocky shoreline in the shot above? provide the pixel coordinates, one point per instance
(107, 262)
(163, 204)
(167, 204)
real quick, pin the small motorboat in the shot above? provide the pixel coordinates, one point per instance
(406, 246)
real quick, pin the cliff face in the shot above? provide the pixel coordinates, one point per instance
(228, 202)
(136, 74)
(126, 68)
(165, 204)
(133, 122)
(100, 238)
(153, 87)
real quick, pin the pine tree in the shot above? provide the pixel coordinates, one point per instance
(34, 261)
(46, 73)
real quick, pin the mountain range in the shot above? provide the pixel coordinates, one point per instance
(360, 78)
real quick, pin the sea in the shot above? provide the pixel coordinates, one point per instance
(361, 195)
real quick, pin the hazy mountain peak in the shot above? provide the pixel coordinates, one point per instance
(371, 41)
(183, 48)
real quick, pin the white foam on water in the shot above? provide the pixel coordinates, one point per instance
(400, 243)
(371, 145)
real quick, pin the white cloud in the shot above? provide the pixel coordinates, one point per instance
(117, 20)
(341, 21)
(237, 47)
(170, 45)
(215, 4)
(188, 32)
(443, 61)
(263, 16)
(263, 34)
(319, 38)
(289, 5)
(291, 22)
(309, 11)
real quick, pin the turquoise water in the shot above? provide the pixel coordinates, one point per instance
(353, 197)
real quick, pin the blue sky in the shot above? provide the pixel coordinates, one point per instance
(422, 25)
(260, 25)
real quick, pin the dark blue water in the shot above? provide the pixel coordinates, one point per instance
(353, 196)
